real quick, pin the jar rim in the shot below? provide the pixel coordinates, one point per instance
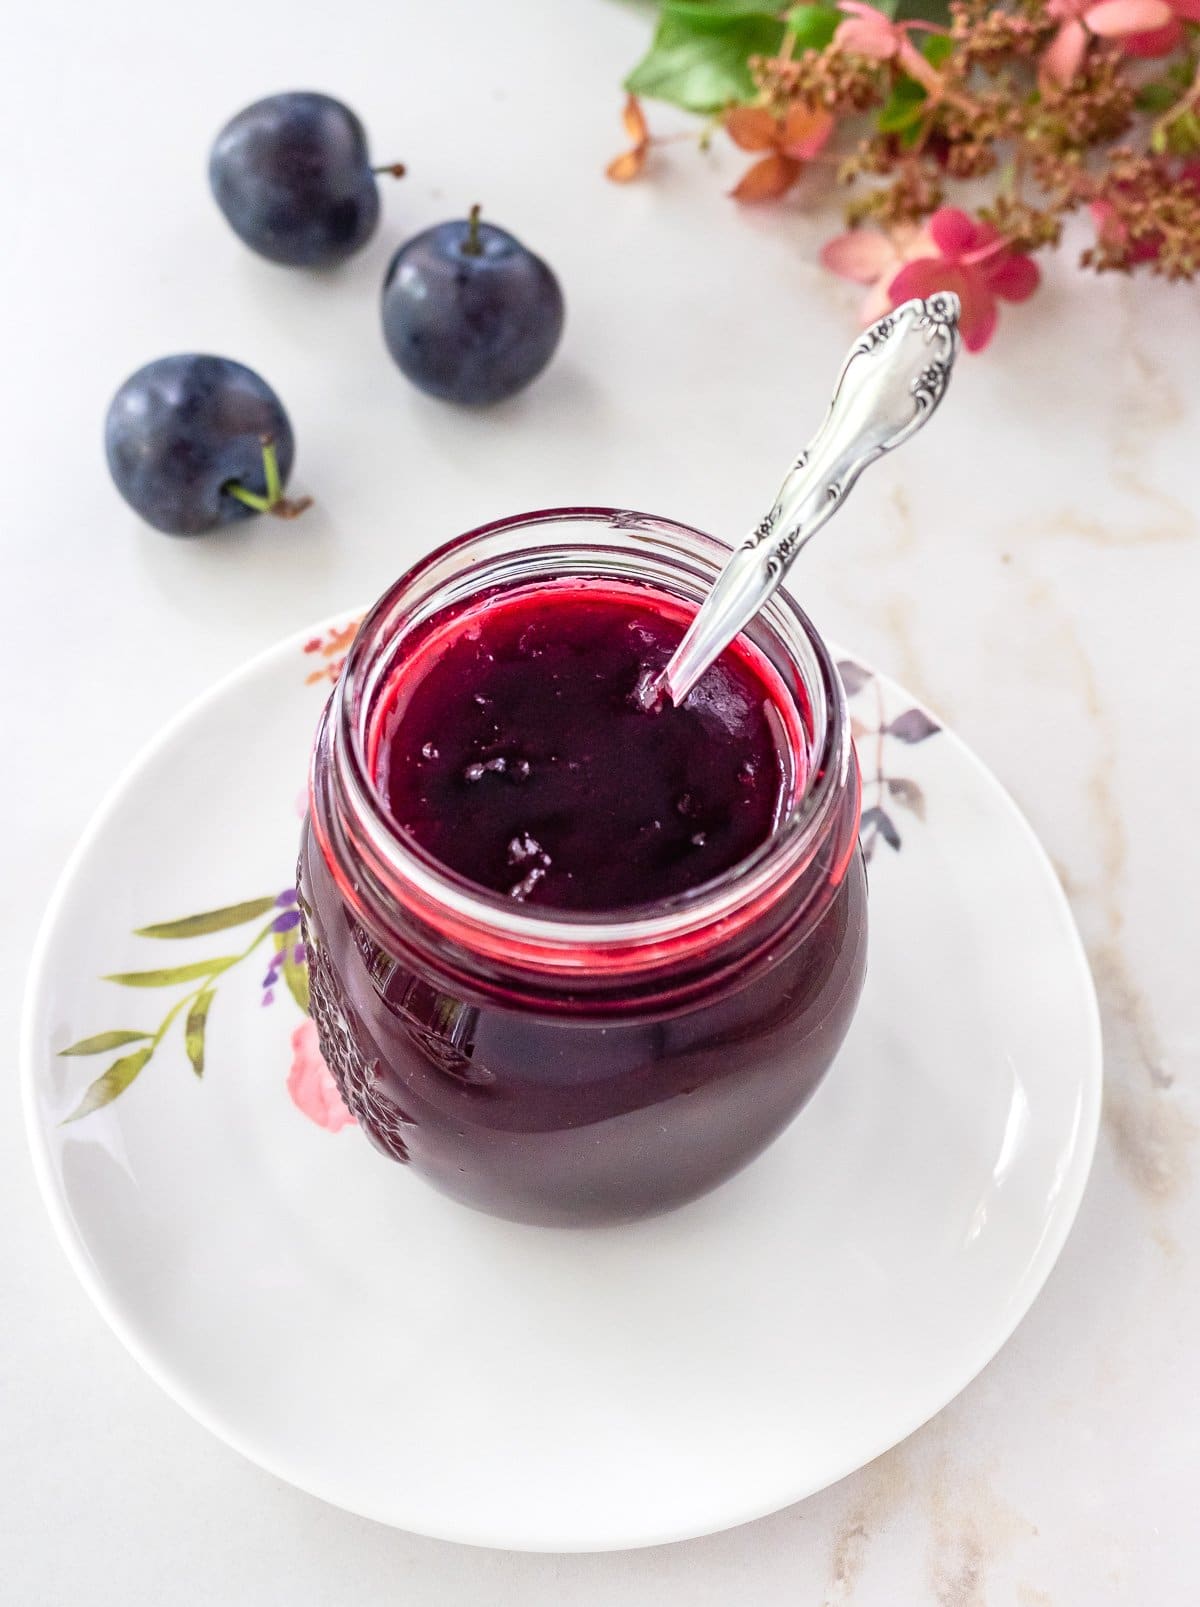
(566, 939)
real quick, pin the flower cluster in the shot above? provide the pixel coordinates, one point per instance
(1057, 106)
(288, 950)
(332, 648)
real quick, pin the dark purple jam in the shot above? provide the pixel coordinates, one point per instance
(513, 748)
(517, 1068)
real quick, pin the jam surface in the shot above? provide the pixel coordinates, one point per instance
(511, 747)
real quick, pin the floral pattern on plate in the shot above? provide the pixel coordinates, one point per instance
(312, 1088)
(881, 729)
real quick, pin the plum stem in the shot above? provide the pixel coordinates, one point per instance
(472, 245)
(274, 501)
(394, 170)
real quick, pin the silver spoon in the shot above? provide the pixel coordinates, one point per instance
(892, 380)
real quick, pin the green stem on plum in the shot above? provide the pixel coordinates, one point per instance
(472, 245)
(274, 501)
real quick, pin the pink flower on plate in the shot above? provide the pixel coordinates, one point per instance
(311, 1084)
(1078, 20)
(870, 258)
(977, 263)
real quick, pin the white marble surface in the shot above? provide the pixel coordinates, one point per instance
(1031, 567)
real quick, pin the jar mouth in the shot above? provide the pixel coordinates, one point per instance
(603, 544)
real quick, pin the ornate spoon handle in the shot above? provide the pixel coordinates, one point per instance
(890, 384)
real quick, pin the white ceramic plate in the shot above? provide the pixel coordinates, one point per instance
(350, 1330)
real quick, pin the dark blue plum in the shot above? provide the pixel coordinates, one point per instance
(292, 176)
(469, 313)
(182, 429)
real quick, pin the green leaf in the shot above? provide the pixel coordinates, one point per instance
(1156, 96)
(211, 921)
(904, 107)
(104, 1041)
(1183, 134)
(937, 48)
(711, 15)
(935, 11)
(1161, 93)
(700, 56)
(295, 972)
(193, 1031)
(813, 25)
(114, 1081)
(171, 975)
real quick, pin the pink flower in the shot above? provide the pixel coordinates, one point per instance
(868, 32)
(1079, 20)
(1162, 41)
(953, 252)
(974, 261)
(311, 1083)
(871, 258)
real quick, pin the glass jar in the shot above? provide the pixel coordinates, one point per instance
(565, 1068)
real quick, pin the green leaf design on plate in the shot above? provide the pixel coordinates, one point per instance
(295, 972)
(114, 1081)
(193, 1031)
(168, 977)
(700, 55)
(211, 921)
(104, 1041)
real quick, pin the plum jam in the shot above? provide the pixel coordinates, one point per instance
(572, 960)
(513, 747)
